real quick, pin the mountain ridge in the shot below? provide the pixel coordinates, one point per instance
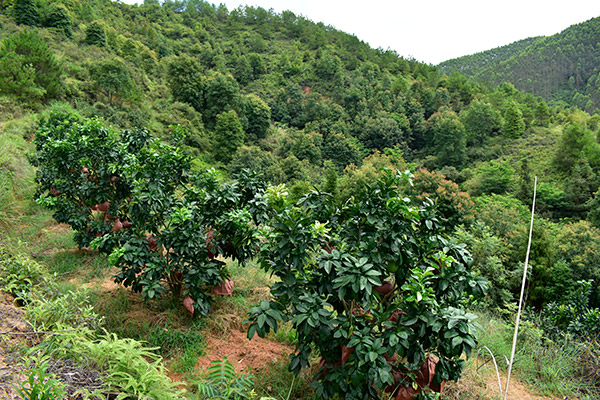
(562, 68)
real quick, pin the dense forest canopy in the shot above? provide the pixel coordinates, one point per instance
(562, 68)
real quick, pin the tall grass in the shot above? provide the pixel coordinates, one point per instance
(16, 174)
(551, 367)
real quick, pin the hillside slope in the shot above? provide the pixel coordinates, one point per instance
(561, 67)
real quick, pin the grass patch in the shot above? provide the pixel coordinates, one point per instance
(471, 386)
(159, 324)
(285, 334)
(550, 367)
(278, 382)
(251, 287)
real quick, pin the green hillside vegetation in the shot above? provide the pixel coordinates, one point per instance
(179, 144)
(562, 68)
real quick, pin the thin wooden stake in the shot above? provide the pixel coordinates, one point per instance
(514, 345)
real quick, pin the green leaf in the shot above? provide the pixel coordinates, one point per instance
(261, 320)
(457, 341)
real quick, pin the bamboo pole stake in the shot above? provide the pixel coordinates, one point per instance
(514, 345)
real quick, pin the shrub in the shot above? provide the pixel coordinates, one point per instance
(491, 177)
(40, 385)
(374, 288)
(573, 315)
(131, 196)
(19, 275)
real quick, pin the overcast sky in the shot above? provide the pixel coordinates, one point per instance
(437, 30)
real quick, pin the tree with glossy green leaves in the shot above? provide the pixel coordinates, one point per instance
(375, 289)
(135, 198)
(228, 136)
(26, 12)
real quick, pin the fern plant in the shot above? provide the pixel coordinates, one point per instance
(222, 382)
(40, 385)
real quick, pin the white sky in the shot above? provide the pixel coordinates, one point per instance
(433, 31)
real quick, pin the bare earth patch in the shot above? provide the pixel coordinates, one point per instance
(248, 356)
(12, 319)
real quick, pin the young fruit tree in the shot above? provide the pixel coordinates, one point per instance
(135, 198)
(375, 287)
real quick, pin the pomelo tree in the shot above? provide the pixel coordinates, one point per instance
(375, 287)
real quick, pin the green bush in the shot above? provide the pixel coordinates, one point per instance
(20, 275)
(131, 196)
(373, 288)
(573, 315)
(491, 177)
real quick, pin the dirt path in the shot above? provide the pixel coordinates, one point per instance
(517, 391)
(12, 320)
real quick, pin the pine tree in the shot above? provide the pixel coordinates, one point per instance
(542, 114)
(229, 135)
(58, 17)
(525, 183)
(331, 179)
(28, 68)
(514, 125)
(95, 35)
(26, 12)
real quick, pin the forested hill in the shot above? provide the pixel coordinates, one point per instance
(297, 100)
(562, 67)
(472, 64)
